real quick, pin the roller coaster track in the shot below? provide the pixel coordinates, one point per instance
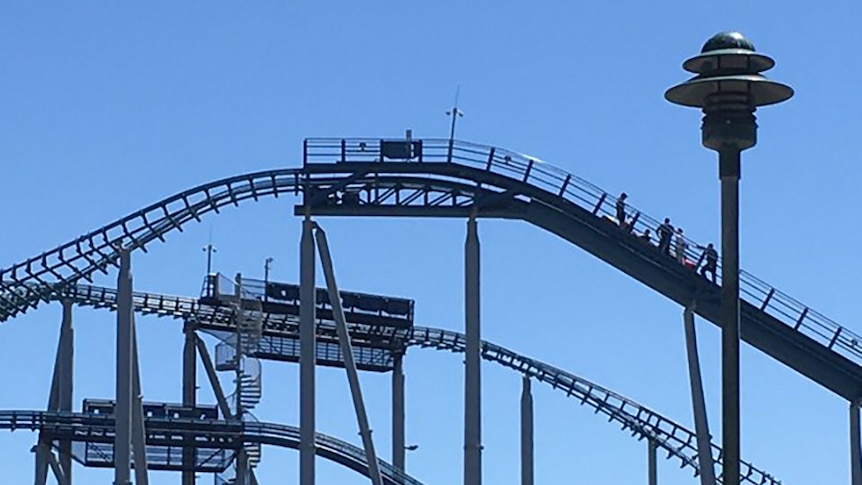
(640, 421)
(88, 427)
(455, 179)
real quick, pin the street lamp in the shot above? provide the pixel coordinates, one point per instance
(728, 88)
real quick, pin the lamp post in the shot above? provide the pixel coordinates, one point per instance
(728, 88)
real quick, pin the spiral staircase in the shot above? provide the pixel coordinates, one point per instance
(237, 354)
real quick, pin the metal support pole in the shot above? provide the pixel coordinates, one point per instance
(241, 467)
(472, 380)
(729, 174)
(307, 358)
(855, 452)
(41, 463)
(527, 473)
(66, 360)
(189, 397)
(399, 450)
(123, 406)
(698, 403)
(347, 355)
(139, 433)
(221, 400)
(652, 465)
(59, 398)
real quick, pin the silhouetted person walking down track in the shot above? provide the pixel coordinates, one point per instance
(681, 246)
(621, 209)
(710, 256)
(665, 233)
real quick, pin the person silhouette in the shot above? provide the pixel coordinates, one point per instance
(710, 256)
(665, 233)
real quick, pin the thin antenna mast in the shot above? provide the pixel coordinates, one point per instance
(210, 249)
(455, 113)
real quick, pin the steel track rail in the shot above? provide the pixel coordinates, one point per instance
(678, 441)
(826, 352)
(82, 426)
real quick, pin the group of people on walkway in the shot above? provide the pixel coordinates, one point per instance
(670, 237)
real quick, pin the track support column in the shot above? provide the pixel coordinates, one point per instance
(242, 467)
(527, 472)
(698, 403)
(472, 377)
(652, 464)
(66, 359)
(123, 403)
(347, 355)
(189, 396)
(139, 432)
(307, 358)
(398, 440)
(855, 451)
(59, 399)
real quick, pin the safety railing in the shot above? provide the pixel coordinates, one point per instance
(533, 171)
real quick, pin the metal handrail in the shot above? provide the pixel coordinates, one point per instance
(535, 172)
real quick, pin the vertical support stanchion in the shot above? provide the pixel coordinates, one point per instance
(60, 395)
(123, 403)
(472, 371)
(347, 355)
(242, 467)
(527, 472)
(731, 426)
(652, 463)
(398, 439)
(41, 464)
(855, 451)
(306, 354)
(66, 382)
(189, 396)
(139, 432)
(698, 403)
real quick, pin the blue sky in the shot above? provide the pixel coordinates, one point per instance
(106, 108)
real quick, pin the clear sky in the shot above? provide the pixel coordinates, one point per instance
(108, 107)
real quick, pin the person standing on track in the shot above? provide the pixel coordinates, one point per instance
(665, 233)
(681, 246)
(621, 209)
(710, 256)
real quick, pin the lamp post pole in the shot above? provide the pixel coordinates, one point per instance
(728, 88)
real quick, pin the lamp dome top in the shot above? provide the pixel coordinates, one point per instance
(727, 40)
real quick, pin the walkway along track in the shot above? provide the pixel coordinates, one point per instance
(640, 421)
(445, 180)
(177, 431)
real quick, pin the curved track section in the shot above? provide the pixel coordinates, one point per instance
(641, 421)
(82, 425)
(677, 440)
(465, 174)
